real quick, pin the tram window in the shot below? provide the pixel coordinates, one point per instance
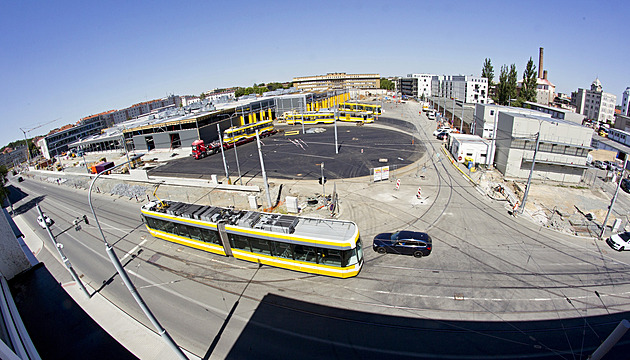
(182, 230)
(330, 257)
(282, 250)
(195, 233)
(350, 257)
(260, 246)
(169, 227)
(210, 236)
(305, 253)
(239, 242)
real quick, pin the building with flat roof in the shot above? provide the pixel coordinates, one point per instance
(467, 88)
(333, 81)
(563, 147)
(557, 113)
(594, 103)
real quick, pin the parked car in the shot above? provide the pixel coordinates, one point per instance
(598, 164)
(619, 242)
(442, 129)
(443, 135)
(20, 179)
(403, 242)
(44, 221)
(625, 185)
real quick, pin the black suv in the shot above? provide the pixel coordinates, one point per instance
(625, 185)
(414, 243)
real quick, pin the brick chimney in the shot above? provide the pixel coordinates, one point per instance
(540, 64)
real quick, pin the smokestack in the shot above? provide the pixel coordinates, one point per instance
(540, 64)
(545, 74)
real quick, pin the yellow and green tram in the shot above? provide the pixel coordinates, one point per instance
(373, 109)
(247, 132)
(317, 246)
(327, 117)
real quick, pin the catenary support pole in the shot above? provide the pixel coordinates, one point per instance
(227, 175)
(612, 202)
(125, 278)
(64, 259)
(262, 169)
(529, 179)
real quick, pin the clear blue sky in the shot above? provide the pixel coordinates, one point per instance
(67, 60)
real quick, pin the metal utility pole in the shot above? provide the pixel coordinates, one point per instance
(335, 121)
(122, 137)
(461, 125)
(612, 202)
(529, 179)
(323, 181)
(262, 168)
(125, 278)
(453, 113)
(227, 175)
(64, 259)
(238, 167)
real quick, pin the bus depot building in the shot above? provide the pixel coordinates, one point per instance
(175, 128)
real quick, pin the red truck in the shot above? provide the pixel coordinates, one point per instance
(200, 149)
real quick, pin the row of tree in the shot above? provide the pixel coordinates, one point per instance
(260, 88)
(507, 91)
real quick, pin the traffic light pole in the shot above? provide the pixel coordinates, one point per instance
(64, 259)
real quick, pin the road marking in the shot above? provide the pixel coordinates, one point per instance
(294, 132)
(135, 248)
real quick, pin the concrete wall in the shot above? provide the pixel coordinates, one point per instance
(12, 259)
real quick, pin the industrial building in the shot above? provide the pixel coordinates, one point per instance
(561, 147)
(178, 127)
(337, 81)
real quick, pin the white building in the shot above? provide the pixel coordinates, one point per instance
(465, 145)
(625, 102)
(467, 88)
(424, 84)
(486, 116)
(595, 104)
(563, 147)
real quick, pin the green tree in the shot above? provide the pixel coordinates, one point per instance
(512, 83)
(502, 92)
(202, 96)
(387, 84)
(528, 91)
(488, 72)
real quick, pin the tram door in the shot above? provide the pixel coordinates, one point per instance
(225, 241)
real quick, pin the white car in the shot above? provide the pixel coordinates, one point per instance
(442, 129)
(44, 221)
(620, 242)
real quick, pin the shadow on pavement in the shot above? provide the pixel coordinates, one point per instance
(59, 328)
(287, 328)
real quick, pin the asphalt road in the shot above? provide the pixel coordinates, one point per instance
(288, 155)
(494, 284)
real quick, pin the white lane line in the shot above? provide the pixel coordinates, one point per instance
(135, 248)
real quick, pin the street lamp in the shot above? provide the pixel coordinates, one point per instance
(125, 278)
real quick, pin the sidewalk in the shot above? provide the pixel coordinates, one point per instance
(143, 342)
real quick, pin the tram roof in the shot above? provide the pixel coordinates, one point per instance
(341, 233)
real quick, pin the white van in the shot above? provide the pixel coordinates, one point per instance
(620, 242)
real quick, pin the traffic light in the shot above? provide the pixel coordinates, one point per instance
(85, 219)
(320, 180)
